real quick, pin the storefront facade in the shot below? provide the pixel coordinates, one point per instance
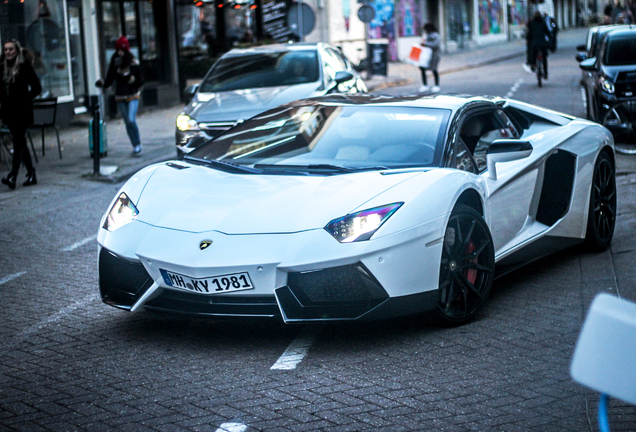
(54, 32)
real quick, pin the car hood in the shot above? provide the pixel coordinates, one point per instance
(199, 199)
(613, 71)
(243, 104)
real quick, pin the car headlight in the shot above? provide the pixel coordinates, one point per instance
(607, 84)
(185, 123)
(122, 212)
(361, 225)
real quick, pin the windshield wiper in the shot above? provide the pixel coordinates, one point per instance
(223, 166)
(319, 167)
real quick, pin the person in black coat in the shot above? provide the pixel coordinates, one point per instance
(538, 39)
(20, 85)
(124, 71)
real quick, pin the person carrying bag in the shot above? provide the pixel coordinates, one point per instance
(124, 71)
(431, 39)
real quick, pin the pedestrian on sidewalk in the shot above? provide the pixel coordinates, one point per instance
(20, 85)
(431, 39)
(125, 72)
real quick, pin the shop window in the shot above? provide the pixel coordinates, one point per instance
(111, 26)
(409, 23)
(149, 42)
(240, 23)
(41, 28)
(197, 30)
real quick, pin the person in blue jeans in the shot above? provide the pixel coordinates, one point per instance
(125, 73)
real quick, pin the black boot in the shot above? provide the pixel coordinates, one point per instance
(31, 180)
(9, 181)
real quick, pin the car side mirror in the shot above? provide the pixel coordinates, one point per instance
(588, 64)
(580, 57)
(343, 76)
(581, 47)
(506, 151)
(189, 92)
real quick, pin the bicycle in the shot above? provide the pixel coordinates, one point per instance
(620, 119)
(538, 67)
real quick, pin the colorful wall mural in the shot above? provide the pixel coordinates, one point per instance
(491, 17)
(409, 22)
(518, 12)
(383, 25)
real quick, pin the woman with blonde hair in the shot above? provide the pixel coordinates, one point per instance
(20, 85)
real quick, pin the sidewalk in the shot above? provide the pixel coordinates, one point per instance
(158, 126)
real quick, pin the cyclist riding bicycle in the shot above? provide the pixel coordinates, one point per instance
(537, 40)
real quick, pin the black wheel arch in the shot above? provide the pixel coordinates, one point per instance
(471, 198)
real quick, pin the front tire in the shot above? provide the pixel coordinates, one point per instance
(467, 266)
(601, 218)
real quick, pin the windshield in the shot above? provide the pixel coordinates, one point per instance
(317, 136)
(621, 52)
(262, 70)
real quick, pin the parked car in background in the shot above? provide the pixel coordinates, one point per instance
(609, 81)
(358, 207)
(245, 82)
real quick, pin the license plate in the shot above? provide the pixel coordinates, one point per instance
(209, 285)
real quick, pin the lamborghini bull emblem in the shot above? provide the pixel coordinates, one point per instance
(205, 244)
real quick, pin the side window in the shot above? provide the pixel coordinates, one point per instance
(461, 158)
(333, 63)
(339, 58)
(479, 131)
(508, 124)
(330, 66)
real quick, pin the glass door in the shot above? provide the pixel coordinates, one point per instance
(78, 62)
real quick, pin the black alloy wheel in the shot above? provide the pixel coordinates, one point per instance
(602, 211)
(467, 266)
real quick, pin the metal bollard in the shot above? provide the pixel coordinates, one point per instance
(96, 137)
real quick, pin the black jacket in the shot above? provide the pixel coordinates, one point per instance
(538, 33)
(16, 98)
(120, 76)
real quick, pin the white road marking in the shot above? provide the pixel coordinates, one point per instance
(62, 313)
(231, 427)
(79, 243)
(514, 88)
(296, 351)
(6, 279)
(583, 98)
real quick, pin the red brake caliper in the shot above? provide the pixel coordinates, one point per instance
(471, 274)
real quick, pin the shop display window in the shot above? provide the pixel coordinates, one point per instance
(40, 26)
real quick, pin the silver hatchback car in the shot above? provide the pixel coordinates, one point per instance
(246, 82)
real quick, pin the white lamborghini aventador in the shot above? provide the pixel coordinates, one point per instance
(343, 208)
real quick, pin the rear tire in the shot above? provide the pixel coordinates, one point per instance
(467, 267)
(601, 218)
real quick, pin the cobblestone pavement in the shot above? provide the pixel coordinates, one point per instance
(70, 363)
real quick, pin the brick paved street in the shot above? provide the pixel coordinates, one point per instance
(70, 363)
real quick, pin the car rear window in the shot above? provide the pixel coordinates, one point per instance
(254, 70)
(346, 136)
(621, 51)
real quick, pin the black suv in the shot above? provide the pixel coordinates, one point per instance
(609, 80)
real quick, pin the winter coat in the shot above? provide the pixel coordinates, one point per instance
(125, 91)
(538, 34)
(433, 41)
(16, 98)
